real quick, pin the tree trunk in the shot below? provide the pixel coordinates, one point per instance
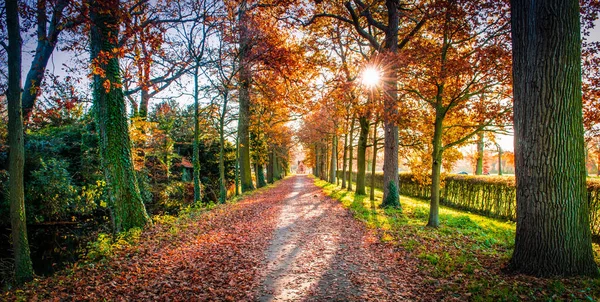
(145, 77)
(222, 180)
(276, 167)
(345, 161)
(317, 162)
(333, 162)
(109, 103)
(499, 160)
(391, 185)
(361, 156)
(350, 145)
(245, 77)
(260, 176)
(436, 169)
(237, 167)
(374, 161)
(270, 167)
(196, 144)
(16, 160)
(323, 159)
(479, 166)
(326, 160)
(553, 229)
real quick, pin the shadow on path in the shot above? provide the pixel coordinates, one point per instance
(319, 252)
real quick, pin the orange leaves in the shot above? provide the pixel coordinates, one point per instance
(106, 85)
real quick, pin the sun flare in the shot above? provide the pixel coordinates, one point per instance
(371, 76)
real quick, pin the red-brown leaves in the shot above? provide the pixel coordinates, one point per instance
(211, 256)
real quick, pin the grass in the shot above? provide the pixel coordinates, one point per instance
(463, 258)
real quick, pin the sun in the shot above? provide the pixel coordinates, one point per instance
(371, 76)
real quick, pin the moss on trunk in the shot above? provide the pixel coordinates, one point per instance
(109, 104)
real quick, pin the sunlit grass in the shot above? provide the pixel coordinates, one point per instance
(466, 253)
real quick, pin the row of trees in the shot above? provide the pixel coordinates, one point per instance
(445, 69)
(233, 59)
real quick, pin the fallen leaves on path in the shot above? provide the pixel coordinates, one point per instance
(287, 243)
(214, 256)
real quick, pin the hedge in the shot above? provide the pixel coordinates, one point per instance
(492, 196)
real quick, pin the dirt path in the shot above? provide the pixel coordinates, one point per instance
(319, 252)
(287, 243)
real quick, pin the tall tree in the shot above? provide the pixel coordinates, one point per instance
(458, 55)
(109, 104)
(23, 267)
(371, 22)
(194, 34)
(553, 231)
(245, 78)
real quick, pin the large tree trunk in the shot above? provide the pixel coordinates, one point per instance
(351, 159)
(361, 156)
(436, 169)
(333, 162)
(196, 143)
(245, 78)
(553, 228)
(16, 160)
(479, 164)
(109, 103)
(391, 185)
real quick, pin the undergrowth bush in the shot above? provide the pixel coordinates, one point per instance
(105, 244)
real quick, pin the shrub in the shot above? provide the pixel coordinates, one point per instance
(50, 194)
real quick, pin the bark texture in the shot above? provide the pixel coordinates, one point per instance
(109, 104)
(391, 198)
(553, 231)
(245, 78)
(16, 193)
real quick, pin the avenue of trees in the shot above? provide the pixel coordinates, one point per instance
(446, 80)
(195, 101)
(128, 150)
